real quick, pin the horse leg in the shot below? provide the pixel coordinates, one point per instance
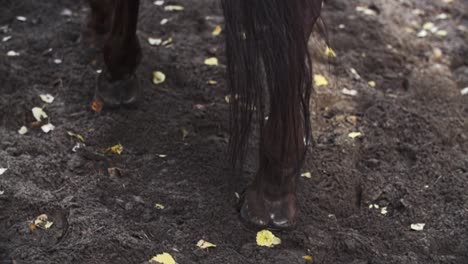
(267, 53)
(101, 13)
(118, 84)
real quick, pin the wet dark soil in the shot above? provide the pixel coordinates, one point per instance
(411, 159)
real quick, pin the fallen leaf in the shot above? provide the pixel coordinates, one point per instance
(372, 84)
(355, 74)
(320, 80)
(437, 53)
(116, 149)
(266, 238)
(354, 135)
(349, 92)
(442, 16)
(365, 10)
(71, 134)
(47, 127)
(185, 133)
(66, 12)
(212, 82)
(167, 42)
(158, 77)
(159, 206)
(154, 41)
(227, 98)
(418, 227)
(384, 210)
(43, 222)
(12, 53)
(21, 18)
(23, 130)
(217, 31)
(47, 98)
(7, 38)
(159, 3)
(205, 244)
(173, 8)
(306, 175)
(32, 227)
(213, 61)
(113, 172)
(39, 114)
(428, 26)
(97, 105)
(308, 258)
(164, 258)
(330, 52)
(3, 170)
(422, 34)
(78, 146)
(441, 33)
(164, 21)
(464, 91)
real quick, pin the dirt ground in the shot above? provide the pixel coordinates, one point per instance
(411, 157)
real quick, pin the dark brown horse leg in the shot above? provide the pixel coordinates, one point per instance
(118, 84)
(267, 52)
(271, 200)
(101, 14)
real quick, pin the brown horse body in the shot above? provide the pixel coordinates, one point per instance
(269, 75)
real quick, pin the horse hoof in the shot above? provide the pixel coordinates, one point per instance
(257, 212)
(114, 93)
(251, 221)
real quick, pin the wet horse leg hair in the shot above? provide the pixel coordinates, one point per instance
(270, 74)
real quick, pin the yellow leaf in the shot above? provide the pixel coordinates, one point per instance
(217, 30)
(42, 222)
(167, 42)
(266, 238)
(354, 135)
(320, 80)
(330, 52)
(212, 82)
(212, 61)
(372, 84)
(173, 8)
(205, 244)
(39, 114)
(79, 137)
(307, 175)
(308, 258)
(185, 133)
(428, 26)
(164, 258)
(159, 206)
(158, 77)
(117, 149)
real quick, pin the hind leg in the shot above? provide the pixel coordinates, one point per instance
(101, 14)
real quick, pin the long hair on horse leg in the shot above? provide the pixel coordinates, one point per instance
(267, 54)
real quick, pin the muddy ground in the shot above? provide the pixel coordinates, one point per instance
(412, 157)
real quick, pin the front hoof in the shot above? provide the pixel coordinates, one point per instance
(114, 93)
(257, 212)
